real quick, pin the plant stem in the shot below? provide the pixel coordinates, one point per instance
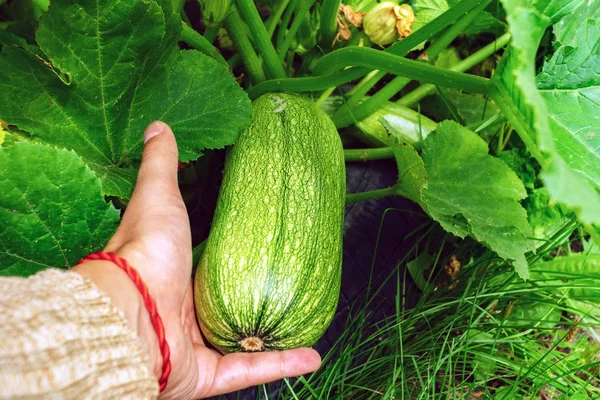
(397, 65)
(378, 153)
(198, 42)
(346, 116)
(211, 32)
(466, 8)
(360, 85)
(261, 38)
(454, 30)
(329, 13)
(326, 93)
(305, 84)
(466, 64)
(504, 104)
(285, 21)
(274, 18)
(235, 29)
(401, 47)
(234, 60)
(291, 34)
(371, 195)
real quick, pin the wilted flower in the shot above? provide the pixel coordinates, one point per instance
(387, 22)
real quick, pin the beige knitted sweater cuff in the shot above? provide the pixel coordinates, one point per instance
(60, 337)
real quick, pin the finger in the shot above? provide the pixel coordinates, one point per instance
(242, 370)
(159, 159)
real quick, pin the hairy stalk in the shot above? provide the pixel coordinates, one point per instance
(285, 21)
(367, 57)
(274, 18)
(291, 34)
(371, 195)
(454, 30)
(401, 47)
(466, 64)
(305, 84)
(261, 39)
(326, 93)
(329, 12)
(360, 86)
(212, 32)
(199, 42)
(346, 116)
(235, 29)
(457, 13)
(379, 153)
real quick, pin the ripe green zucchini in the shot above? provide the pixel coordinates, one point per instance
(269, 276)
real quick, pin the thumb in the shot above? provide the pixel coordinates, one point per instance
(159, 159)
(157, 177)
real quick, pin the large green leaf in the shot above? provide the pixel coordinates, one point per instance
(469, 192)
(570, 86)
(472, 193)
(116, 67)
(426, 11)
(52, 211)
(535, 115)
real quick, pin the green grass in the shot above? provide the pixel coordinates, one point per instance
(488, 335)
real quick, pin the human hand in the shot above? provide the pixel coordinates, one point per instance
(154, 237)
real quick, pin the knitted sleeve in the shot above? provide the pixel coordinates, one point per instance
(61, 338)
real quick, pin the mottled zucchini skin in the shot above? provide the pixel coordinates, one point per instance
(269, 277)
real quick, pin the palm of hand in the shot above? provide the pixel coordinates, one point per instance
(154, 236)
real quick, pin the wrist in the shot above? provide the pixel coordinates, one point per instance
(124, 295)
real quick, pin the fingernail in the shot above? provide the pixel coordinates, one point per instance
(154, 129)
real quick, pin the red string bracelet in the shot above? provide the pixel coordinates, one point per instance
(150, 306)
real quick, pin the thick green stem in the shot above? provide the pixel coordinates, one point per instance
(466, 8)
(397, 65)
(368, 154)
(401, 47)
(285, 21)
(274, 18)
(329, 13)
(454, 30)
(212, 32)
(298, 19)
(360, 86)
(261, 38)
(198, 42)
(372, 195)
(308, 84)
(346, 116)
(506, 107)
(324, 96)
(466, 64)
(235, 29)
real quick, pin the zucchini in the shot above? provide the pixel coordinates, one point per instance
(269, 277)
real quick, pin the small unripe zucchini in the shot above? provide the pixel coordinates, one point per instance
(269, 277)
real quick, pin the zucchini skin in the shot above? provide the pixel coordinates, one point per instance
(269, 277)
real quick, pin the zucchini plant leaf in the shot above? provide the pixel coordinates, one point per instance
(109, 69)
(426, 11)
(469, 192)
(411, 171)
(535, 114)
(52, 211)
(472, 193)
(570, 86)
